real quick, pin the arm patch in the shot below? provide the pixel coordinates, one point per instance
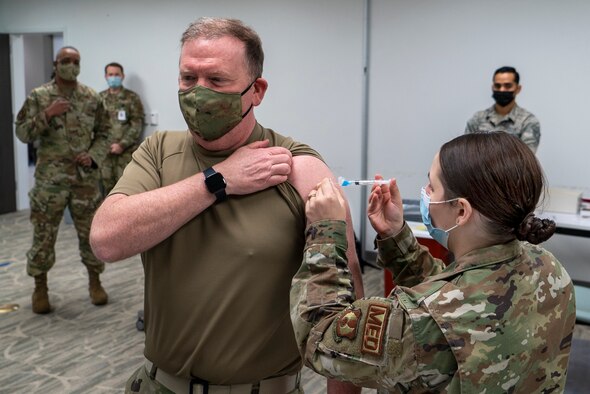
(346, 325)
(22, 114)
(375, 328)
(360, 332)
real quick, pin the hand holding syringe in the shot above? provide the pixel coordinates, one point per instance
(362, 182)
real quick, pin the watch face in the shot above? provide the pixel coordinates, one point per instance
(215, 182)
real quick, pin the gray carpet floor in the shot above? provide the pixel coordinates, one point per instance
(79, 348)
(82, 348)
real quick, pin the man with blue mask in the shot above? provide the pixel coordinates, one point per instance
(125, 111)
(217, 212)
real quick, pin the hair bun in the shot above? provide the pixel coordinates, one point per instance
(535, 230)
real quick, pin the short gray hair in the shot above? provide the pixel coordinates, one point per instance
(212, 28)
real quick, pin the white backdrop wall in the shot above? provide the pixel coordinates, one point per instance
(313, 51)
(431, 70)
(431, 64)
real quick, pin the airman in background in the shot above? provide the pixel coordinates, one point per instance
(506, 115)
(125, 112)
(67, 119)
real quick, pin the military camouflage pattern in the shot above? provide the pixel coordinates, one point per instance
(210, 113)
(518, 122)
(125, 112)
(59, 180)
(140, 382)
(498, 320)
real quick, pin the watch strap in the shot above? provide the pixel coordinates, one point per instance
(220, 193)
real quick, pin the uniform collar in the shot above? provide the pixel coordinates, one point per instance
(257, 134)
(486, 256)
(117, 92)
(496, 118)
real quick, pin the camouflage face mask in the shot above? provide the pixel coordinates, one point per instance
(209, 113)
(68, 72)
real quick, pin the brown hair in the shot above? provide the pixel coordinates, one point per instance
(211, 28)
(114, 64)
(501, 178)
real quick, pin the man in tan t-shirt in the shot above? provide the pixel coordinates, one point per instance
(217, 213)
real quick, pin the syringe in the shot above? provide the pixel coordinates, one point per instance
(363, 182)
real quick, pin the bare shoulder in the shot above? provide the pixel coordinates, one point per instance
(307, 172)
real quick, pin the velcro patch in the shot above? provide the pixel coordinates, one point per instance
(347, 323)
(374, 331)
(22, 114)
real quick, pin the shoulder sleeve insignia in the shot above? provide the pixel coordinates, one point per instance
(22, 114)
(375, 328)
(347, 323)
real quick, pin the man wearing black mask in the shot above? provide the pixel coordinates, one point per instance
(506, 115)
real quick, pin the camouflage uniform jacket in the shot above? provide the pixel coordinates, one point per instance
(83, 128)
(125, 112)
(518, 122)
(499, 319)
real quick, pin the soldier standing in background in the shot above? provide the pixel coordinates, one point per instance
(125, 112)
(505, 115)
(67, 118)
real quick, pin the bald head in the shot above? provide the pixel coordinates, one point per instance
(67, 65)
(67, 52)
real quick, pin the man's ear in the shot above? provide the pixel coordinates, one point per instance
(260, 86)
(465, 211)
(517, 90)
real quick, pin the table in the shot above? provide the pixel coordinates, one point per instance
(568, 223)
(579, 226)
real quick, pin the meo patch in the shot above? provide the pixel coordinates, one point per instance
(347, 323)
(374, 330)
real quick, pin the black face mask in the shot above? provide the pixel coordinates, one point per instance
(503, 98)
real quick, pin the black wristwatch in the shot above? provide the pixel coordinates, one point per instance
(215, 183)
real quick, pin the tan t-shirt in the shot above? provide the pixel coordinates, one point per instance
(217, 290)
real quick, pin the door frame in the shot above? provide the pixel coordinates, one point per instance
(7, 171)
(19, 95)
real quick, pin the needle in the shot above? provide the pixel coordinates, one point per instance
(362, 182)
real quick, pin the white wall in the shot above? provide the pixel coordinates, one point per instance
(431, 69)
(18, 86)
(313, 59)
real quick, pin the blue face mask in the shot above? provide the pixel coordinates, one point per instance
(439, 235)
(114, 81)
